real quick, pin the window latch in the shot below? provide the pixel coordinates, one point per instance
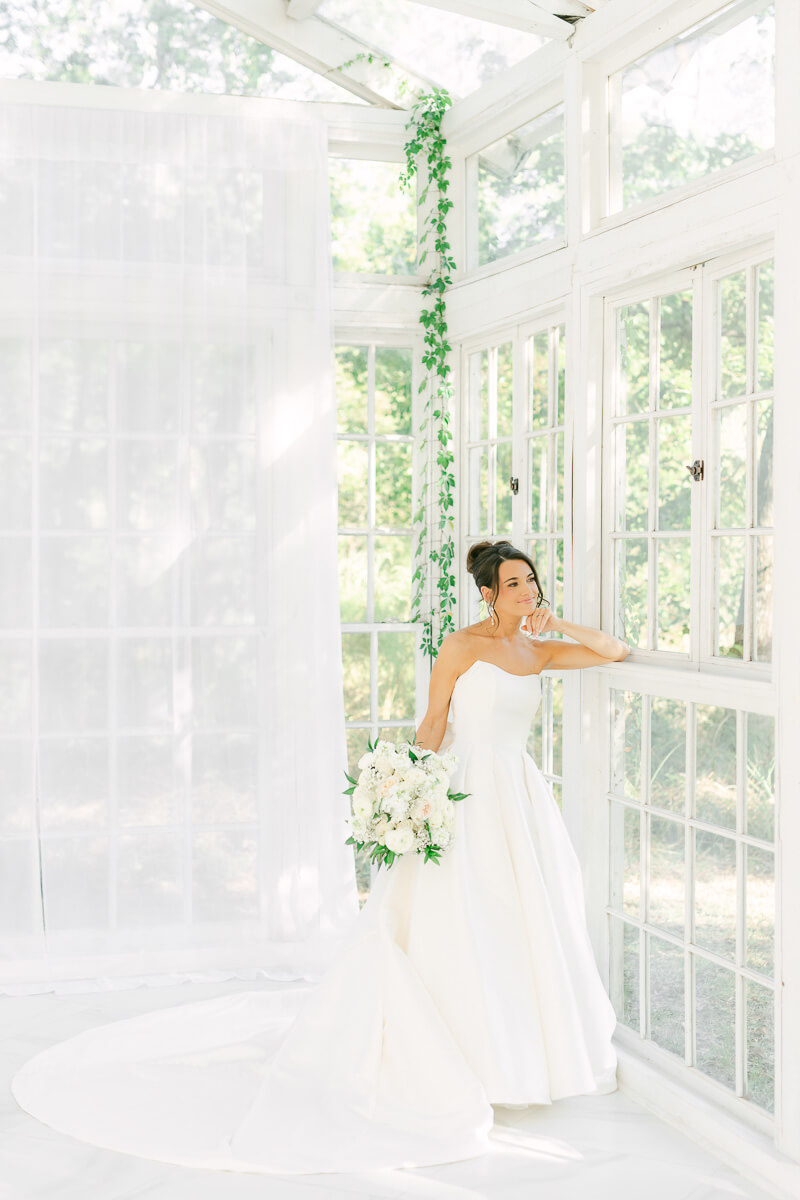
(514, 481)
(696, 469)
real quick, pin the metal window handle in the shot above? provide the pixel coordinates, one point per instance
(696, 469)
(514, 481)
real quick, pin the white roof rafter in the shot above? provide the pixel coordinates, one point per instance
(294, 28)
(316, 44)
(517, 14)
(530, 16)
(300, 9)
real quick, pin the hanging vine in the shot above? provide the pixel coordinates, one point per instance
(435, 550)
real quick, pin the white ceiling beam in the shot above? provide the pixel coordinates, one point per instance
(516, 14)
(316, 44)
(471, 122)
(300, 9)
(569, 8)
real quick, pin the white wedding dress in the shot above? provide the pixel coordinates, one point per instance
(462, 984)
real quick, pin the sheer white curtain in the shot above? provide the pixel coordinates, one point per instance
(172, 745)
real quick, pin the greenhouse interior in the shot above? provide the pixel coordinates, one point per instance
(320, 320)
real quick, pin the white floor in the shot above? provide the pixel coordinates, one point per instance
(582, 1148)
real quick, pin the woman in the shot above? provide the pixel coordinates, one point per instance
(464, 984)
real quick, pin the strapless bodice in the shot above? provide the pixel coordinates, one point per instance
(492, 707)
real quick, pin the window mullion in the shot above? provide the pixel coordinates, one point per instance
(491, 445)
(705, 343)
(749, 474)
(653, 483)
(518, 443)
(371, 515)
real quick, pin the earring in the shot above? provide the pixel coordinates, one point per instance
(490, 608)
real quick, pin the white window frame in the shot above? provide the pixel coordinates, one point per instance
(465, 143)
(472, 231)
(731, 1100)
(666, 284)
(720, 267)
(380, 152)
(703, 278)
(632, 39)
(372, 338)
(468, 606)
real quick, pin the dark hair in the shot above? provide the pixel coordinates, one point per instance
(483, 564)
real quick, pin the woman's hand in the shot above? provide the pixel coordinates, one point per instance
(541, 620)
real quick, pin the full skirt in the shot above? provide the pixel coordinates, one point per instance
(462, 984)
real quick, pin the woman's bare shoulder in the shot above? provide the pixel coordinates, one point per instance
(457, 650)
(460, 648)
(469, 634)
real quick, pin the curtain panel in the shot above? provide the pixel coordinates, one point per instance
(172, 739)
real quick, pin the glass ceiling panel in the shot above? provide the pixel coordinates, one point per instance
(167, 44)
(453, 51)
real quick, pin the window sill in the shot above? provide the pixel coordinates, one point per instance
(682, 192)
(748, 682)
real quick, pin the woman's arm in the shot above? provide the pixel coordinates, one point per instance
(447, 666)
(595, 646)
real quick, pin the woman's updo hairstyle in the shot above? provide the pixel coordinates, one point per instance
(483, 564)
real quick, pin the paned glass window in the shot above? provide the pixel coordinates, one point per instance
(375, 442)
(516, 189)
(701, 102)
(651, 440)
(691, 905)
(373, 222)
(742, 410)
(514, 464)
(689, 488)
(169, 45)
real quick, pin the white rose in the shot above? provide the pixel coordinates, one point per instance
(416, 778)
(445, 765)
(438, 802)
(362, 804)
(396, 803)
(399, 840)
(423, 809)
(386, 756)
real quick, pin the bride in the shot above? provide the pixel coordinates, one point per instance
(463, 984)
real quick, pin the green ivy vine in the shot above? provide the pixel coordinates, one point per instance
(428, 141)
(434, 553)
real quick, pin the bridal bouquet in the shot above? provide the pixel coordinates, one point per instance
(401, 801)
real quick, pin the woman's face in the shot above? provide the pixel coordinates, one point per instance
(517, 593)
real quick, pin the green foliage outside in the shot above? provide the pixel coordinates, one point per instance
(660, 159)
(373, 223)
(526, 206)
(172, 45)
(637, 462)
(714, 872)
